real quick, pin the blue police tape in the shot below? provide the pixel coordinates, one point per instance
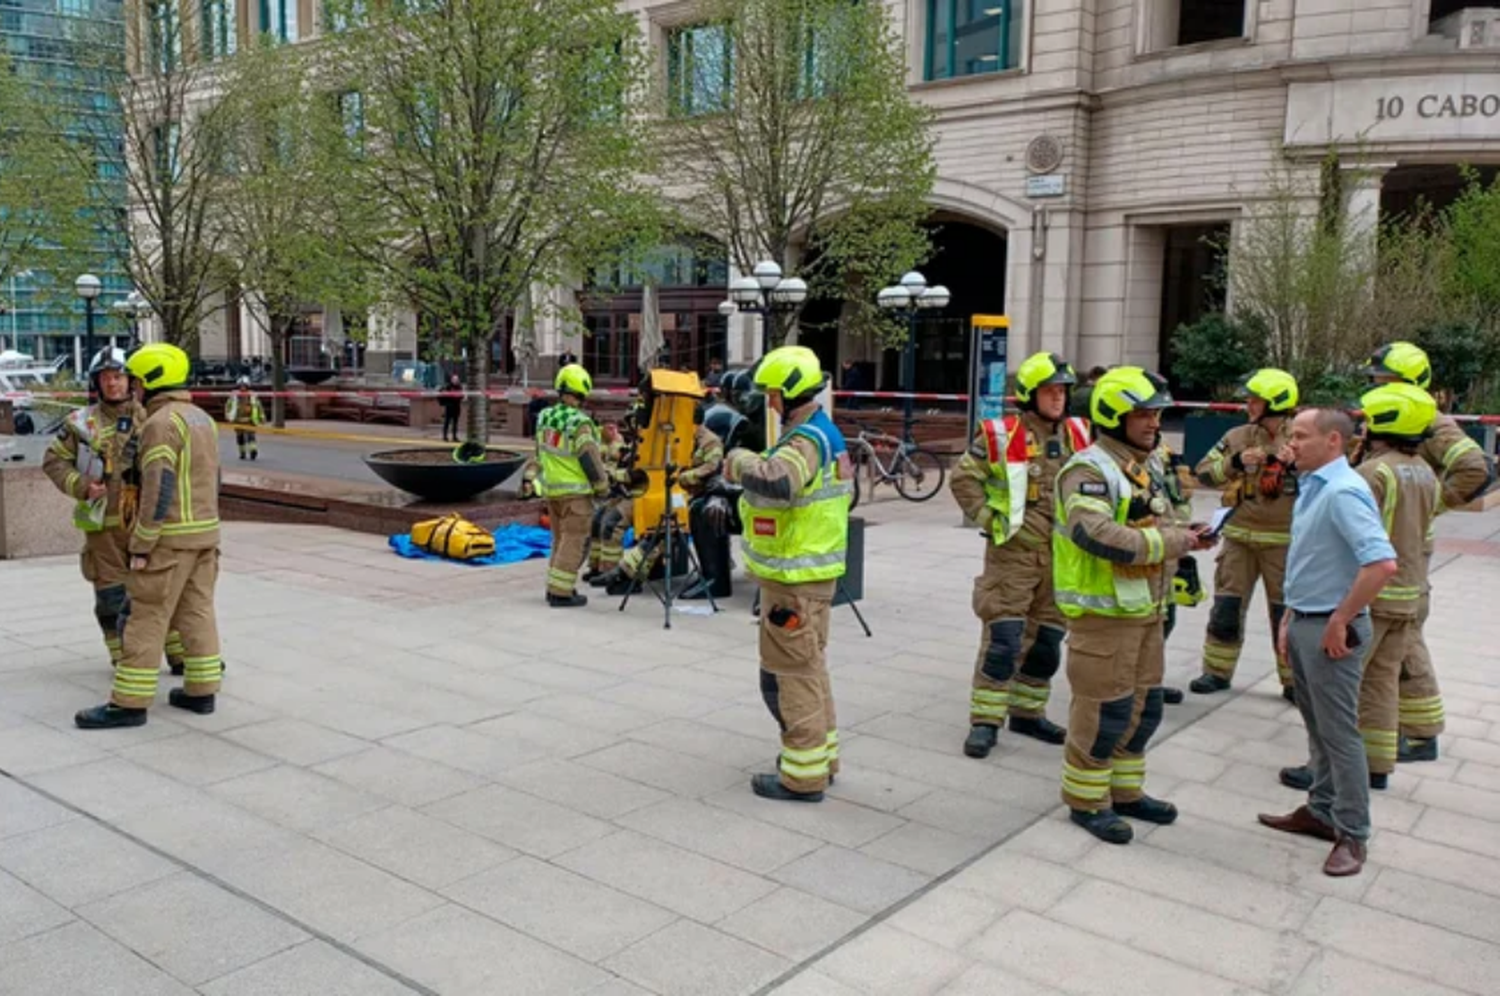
(513, 544)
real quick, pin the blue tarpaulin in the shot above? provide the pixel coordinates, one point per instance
(513, 544)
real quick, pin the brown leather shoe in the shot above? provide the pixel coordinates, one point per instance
(1346, 858)
(1300, 821)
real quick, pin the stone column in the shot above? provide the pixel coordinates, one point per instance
(1361, 188)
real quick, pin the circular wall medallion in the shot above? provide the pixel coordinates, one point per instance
(1044, 154)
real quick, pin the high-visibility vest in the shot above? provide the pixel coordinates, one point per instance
(1010, 458)
(804, 538)
(561, 473)
(1088, 585)
(252, 413)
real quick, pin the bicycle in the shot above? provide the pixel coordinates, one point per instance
(916, 473)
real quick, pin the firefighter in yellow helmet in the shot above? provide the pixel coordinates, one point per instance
(795, 509)
(1465, 474)
(1114, 534)
(568, 471)
(92, 461)
(173, 546)
(1253, 464)
(1398, 421)
(1004, 483)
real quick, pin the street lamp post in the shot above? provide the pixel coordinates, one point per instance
(765, 293)
(87, 287)
(906, 300)
(133, 307)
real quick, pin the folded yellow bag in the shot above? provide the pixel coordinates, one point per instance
(454, 537)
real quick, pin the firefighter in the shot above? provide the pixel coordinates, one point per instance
(1176, 481)
(568, 472)
(1465, 474)
(640, 560)
(243, 411)
(612, 518)
(1004, 483)
(92, 461)
(795, 508)
(1253, 464)
(1113, 537)
(1398, 420)
(173, 547)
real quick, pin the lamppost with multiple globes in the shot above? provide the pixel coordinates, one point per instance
(906, 300)
(88, 286)
(765, 293)
(132, 307)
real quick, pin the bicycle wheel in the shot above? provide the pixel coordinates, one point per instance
(919, 475)
(854, 495)
(858, 461)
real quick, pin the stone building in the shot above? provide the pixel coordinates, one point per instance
(1092, 154)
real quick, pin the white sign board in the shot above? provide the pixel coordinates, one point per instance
(1452, 107)
(1051, 185)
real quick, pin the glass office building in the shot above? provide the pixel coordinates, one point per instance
(43, 317)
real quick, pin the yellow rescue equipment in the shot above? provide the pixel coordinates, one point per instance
(454, 537)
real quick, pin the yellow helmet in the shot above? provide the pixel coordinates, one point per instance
(1277, 388)
(159, 366)
(792, 370)
(1041, 370)
(1404, 360)
(1399, 411)
(573, 379)
(1126, 389)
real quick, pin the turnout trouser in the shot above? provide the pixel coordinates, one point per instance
(794, 680)
(1421, 700)
(1020, 640)
(245, 440)
(570, 519)
(104, 563)
(1379, 712)
(1239, 566)
(174, 592)
(1115, 669)
(607, 532)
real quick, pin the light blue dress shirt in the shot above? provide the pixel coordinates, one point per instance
(1336, 530)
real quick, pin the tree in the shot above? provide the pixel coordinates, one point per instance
(792, 136)
(498, 152)
(45, 217)
(171, 154)
(278, 211)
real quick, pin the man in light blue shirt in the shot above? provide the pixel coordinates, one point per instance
(1339, 560)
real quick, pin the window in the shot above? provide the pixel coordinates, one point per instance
(219, 30)
(700, 69)
(166, 35)
(1173, 23)
(278, 18)
(968, 37)
(352, 114)
(346, 14)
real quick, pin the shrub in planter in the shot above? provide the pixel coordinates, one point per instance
(1211, 356)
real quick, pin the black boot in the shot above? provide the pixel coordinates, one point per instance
(572, 601)
(1289, 692)
(176, 666)
(590, 574)
(254, 454)
(203, 705)
(1039, 727)
(1104, 824)
(1408, 751)
(603, 579)
(108, 717)
(1172, 696)
(1207, 684)
(768, 786)
(623, 584)
(1299, 778)
(981, 740)
(1148, 809)
(1379, 782)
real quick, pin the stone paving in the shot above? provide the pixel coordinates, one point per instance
(421, 780)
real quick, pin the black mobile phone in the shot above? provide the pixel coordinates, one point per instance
(1351, 636)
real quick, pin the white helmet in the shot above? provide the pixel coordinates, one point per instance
(242, 382)
(108, 358)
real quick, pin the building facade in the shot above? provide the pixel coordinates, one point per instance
(1093, 158)
(42, 316)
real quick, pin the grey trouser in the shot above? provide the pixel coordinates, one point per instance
(1328, 698)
